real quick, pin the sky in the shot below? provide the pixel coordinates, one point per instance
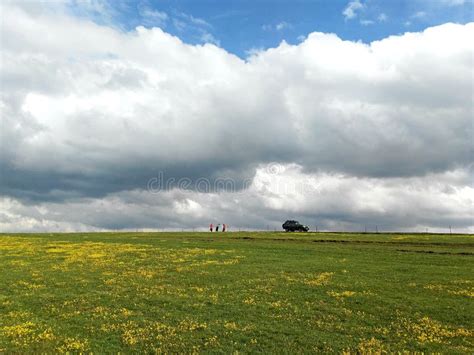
(242, 27)
(170, 115)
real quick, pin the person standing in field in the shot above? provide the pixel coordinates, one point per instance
(211, 227)
(223, 227)
(217, 227)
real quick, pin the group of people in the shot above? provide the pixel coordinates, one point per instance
(211, 227)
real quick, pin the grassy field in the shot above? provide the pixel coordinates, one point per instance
(245, 292)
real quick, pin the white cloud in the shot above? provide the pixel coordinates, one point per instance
(179, 25)
(207, 37)
(418, 15)
(351, 9)
(196, 27)
(301, 38)
(254, 51)
(382, 17)
(194, 20)
(283, 25)
(150, 17)
(89, 114)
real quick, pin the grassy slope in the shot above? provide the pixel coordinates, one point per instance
(236, 291)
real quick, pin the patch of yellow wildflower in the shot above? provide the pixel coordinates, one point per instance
(19, 314)
(250, 300)
(191, 325)
(321, 279)
(133, 336)
(212, 341)
(341, 294)
(73, 344)
(347, 312)
(146, 333)
(125, 312)
(462, 282)
(46, 335)
(427, 330)
(146, 273)
(468, 292)
(95, 255)
(18, 263)
(382, 330)
(230, 326)
(198, 289)
(27, 333)
(18, 247)
(276, 304)
(29, 285)
(214, 297)
(371, 346)
(19, 331)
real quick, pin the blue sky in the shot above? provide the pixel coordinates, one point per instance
(243, 26)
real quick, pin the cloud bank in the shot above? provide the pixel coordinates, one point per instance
(91, 113)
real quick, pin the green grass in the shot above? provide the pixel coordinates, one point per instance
(246, 292)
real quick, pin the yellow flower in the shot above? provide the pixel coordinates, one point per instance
(321, 279)
(341, 294)
(230, 325)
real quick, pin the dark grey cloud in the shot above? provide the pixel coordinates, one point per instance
(330, 202)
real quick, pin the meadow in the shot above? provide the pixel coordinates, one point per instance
(236, 292)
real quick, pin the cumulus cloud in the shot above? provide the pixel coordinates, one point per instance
(90, 114)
